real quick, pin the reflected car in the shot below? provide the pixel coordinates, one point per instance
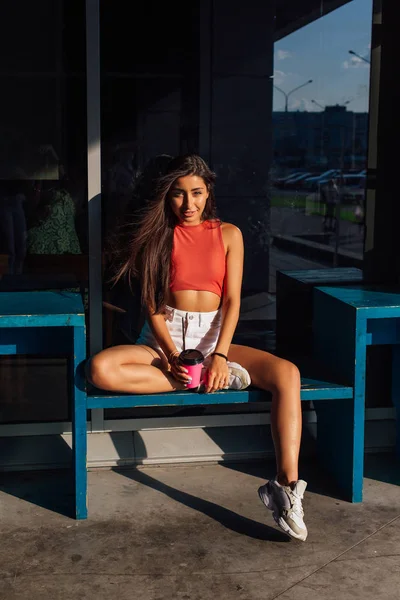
(296, 182)
(280, 182)
(352, 187)
(313, 183)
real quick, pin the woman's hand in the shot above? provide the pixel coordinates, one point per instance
(177, 369)
(217, 374)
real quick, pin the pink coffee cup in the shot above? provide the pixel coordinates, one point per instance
(192, 360)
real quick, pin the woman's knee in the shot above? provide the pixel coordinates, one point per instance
(99, 370)
(286, 376)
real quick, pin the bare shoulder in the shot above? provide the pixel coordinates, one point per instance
(231, 232)
(232, 236)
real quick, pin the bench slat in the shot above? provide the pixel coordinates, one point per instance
(41, 309)
(65, 320)
(311, 390)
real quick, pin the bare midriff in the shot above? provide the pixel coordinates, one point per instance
(194, 301)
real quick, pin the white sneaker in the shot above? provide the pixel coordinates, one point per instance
(239, 378)
(286, 506)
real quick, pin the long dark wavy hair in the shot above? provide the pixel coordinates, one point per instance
(150, 247)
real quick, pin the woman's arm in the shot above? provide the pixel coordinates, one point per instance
(160, 330)
(232, 287)
(230, 304)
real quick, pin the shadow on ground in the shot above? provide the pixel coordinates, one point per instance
(52, 490)
(383, 467)
(228, 518)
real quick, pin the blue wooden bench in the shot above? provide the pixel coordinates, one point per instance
(360, 316)
(53, 322)
(294, 330)
(311, 390)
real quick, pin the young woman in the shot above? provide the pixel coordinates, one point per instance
(190, 268)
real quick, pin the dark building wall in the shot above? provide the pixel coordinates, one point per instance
(382, 250)
(240, 124)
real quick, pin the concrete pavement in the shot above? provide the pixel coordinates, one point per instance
(196, 533)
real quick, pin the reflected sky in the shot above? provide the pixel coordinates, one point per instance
(320, 51)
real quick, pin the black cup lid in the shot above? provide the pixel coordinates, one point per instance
(191, 357)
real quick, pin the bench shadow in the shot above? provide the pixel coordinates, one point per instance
(227, 518)
(319, 481)
(383, 466)
(50, 489)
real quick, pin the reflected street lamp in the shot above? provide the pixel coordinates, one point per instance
(360, 57)
(318, 104)
(287, 94)
(324, 107)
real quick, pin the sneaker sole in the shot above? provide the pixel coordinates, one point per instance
(279, 520)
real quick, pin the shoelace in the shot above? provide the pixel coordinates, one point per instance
(297, 506)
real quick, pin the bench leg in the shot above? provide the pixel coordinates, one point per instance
(396, 391)
(340, 444)
(79, 433)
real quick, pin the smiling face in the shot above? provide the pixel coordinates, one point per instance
(188, 197)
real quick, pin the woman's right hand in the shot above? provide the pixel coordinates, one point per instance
(178, 371)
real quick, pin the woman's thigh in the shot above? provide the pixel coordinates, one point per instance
(125, 355)
(264, 368)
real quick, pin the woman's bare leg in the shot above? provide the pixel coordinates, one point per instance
(131, 369)
(141, 370)
(282, 379)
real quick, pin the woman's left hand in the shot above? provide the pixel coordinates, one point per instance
(217, 374)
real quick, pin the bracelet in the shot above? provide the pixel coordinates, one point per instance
(219, 354)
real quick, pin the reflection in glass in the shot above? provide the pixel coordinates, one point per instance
(320, 124)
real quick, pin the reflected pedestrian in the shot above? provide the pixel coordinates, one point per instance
(330, 197)
(359, 215)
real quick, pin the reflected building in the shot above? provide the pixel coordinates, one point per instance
(333, 138)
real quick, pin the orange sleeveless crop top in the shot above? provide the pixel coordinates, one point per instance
(198, 258)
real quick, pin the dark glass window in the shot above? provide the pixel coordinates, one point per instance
(43, 198)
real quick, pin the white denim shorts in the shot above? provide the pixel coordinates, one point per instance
(188, 330)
